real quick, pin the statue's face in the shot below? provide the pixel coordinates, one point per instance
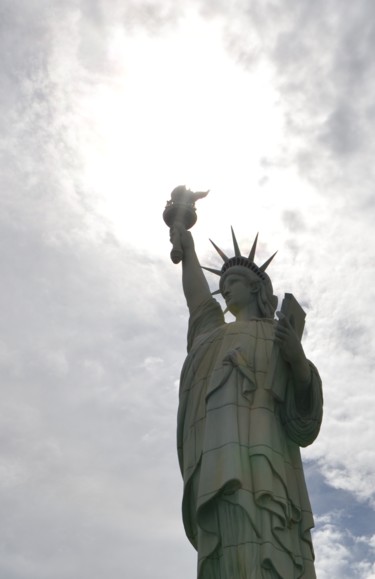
(238, 292)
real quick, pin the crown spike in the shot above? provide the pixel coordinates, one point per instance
(266, 263)
(253, 249)
(235, 245)
(220, 252)
(215, 271)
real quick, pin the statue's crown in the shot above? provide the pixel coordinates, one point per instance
(240, 261)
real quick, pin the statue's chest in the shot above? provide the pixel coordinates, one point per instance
(242, 356)
(253, 341)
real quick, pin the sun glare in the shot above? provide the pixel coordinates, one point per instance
(179, 110)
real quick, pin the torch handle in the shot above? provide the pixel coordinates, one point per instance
(177, 252)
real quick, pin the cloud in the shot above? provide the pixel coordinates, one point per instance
(294, 221)
(323, 70)
(93, 327)
(83, 421)
(85, 418)
(344, 533)
(341, 554)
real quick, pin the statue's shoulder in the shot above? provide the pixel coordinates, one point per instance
(206, 318)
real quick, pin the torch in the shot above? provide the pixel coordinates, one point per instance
(181, 209)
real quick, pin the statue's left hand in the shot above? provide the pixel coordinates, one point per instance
(292, 352)
(287, 340)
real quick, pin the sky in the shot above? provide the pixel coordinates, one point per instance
(106, 106)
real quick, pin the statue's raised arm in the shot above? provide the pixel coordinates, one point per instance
(194, 283)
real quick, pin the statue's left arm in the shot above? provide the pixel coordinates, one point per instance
(292, 351)
(302, 410)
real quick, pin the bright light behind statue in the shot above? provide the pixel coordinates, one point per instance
(162, 118)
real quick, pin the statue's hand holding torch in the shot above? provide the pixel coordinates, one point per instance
(180, 215)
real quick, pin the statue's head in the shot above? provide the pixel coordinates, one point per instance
(258, 281)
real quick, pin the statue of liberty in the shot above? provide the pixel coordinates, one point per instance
(249, 399)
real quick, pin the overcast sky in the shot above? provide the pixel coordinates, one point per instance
(106, 106)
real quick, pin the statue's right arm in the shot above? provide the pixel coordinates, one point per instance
(194, 283)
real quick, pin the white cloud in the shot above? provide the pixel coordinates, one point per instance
(339, 552)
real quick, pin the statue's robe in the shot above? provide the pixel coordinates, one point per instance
(245, 505)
